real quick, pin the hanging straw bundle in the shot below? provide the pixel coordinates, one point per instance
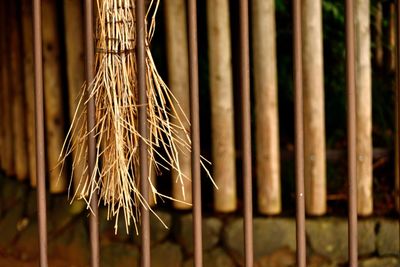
(114, 90)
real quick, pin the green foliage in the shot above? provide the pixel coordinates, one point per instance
(334, 9)
(334, 71)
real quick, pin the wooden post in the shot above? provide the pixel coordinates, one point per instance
(313, 110)
(7, 154)
(266, 107)
(3, 104)
(178, 75)
(378, 24)
(27, 40)
(392, 59)
(73, 21)
(221, 93)
(18, 98)
(53, 95)
(3, 101)
(392, 38)
(364, 108)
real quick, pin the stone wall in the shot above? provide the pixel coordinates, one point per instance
(274, 238)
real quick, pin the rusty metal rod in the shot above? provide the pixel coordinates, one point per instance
(299, 135)
(91, 116)
(195, 133)
(246, 137)
(39, 133)
(398, 99)
(351, 132)
(145, 260)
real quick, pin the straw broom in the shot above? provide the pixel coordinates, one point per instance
(114, 90)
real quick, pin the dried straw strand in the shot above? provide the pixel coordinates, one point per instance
(114, 90)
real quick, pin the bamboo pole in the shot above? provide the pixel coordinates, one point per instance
(27, 39)
(18, 98)
(314, 123)
(7, 154)
(178, 76)
(73, 21)
(364, 108)
(221, 93)
(266, 107)
(53, 95)
(3, 101)
(378, 25)
(392, 38)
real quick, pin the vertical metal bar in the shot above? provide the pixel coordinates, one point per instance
(299, 135)
(89, 51)
(246, 137)
(351, 132)
(398, 102)
(3, 103)
(195, 132)
(144, 185)
(39, 132)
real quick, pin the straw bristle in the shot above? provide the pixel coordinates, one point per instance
(114, 90)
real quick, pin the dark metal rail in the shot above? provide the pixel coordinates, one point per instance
(351, 132)
(39, 133)
(195, 132)
(299, 136)
(145, 260)
(91, 117)
(398, 97)
(246, 137)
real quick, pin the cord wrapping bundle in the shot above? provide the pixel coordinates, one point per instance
(114, 90)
